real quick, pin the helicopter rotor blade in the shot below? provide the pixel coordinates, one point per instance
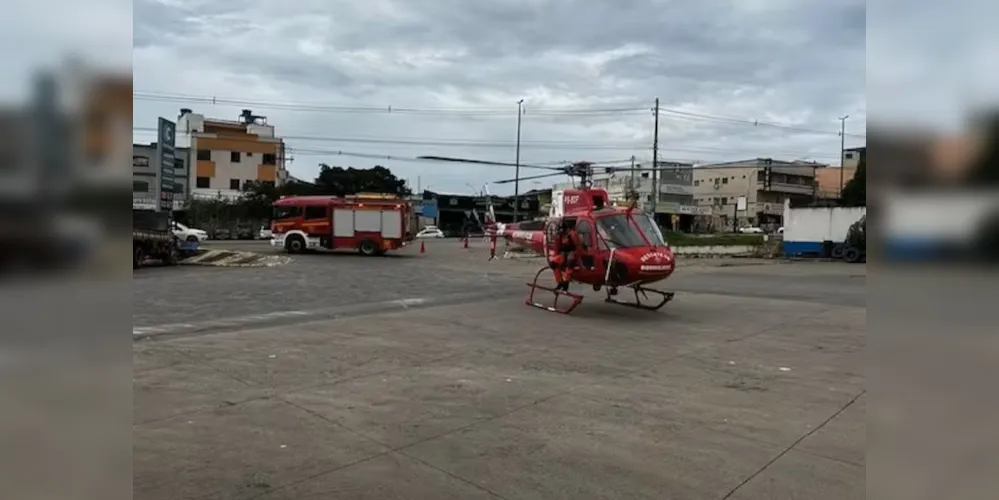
(484, 162)
(530, 177)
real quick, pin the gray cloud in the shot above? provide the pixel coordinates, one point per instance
(796, 63)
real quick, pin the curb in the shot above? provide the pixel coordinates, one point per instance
(231, 258)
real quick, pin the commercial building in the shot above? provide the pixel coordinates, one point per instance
(144, 167)
(456, 213)
(751, 192)
(674, 206)
(227, 154)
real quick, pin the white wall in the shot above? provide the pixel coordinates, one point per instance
(819, 224)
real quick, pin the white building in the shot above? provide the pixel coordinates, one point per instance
(741, 191)
(675, 193)
(227, 154)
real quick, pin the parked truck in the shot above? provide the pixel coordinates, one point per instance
(153, 238)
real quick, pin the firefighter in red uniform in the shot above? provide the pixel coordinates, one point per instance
(566, 254)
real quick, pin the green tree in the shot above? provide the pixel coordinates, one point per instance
(339, 181)
(855, 191)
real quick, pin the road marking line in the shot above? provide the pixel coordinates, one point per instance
(177, 327)
(148, 331)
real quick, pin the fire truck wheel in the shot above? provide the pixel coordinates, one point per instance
(368, 248)
(295, 244)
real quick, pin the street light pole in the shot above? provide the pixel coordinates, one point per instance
(655, 161)
(842, 151)
(516, 174)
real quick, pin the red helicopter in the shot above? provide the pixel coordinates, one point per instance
(619, 246)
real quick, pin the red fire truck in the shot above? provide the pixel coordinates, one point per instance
(370, 223)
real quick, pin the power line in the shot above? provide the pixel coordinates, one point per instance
(622, 109)
(755, 123)
(567, 111)
(538, 145)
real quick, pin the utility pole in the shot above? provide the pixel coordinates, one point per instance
(842, 153)
(655, 161)
(516, 175)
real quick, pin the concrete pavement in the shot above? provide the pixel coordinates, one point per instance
(749, 385)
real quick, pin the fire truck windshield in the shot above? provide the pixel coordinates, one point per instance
(280, 213)
(618, 232)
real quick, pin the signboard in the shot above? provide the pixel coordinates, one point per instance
(676, 189)
(428, 208)
(165, 146)
(741, 203)
(694, 210)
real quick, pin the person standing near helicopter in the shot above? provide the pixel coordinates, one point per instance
(566, 253)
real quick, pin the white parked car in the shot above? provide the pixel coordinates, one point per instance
(430, 232)
(185, 233)
(750, 230)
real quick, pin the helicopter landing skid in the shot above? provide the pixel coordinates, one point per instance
(531, 301)
(639, 303)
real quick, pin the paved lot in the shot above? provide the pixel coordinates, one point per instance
(749, 385)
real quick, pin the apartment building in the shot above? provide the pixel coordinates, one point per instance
(852, 156)
(227, 154)
(828, 180)
(752, 192)
(145, 191)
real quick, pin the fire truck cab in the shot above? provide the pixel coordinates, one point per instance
(372, 224)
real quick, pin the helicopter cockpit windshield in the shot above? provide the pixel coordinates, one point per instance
(619, 232)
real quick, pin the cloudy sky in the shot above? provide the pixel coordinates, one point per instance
(453, 71)
(726, 72)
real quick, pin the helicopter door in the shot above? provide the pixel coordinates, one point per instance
(552, 237)
(586, 240)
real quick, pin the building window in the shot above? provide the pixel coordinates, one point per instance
(205, 154)
(270, 159)
(234, 156)
(140, 161)
(140, 187)
(268, 183)
(234, 184)
(178, 164)
(203, 182)
(178, 188)
(724, 180)
(849, 155)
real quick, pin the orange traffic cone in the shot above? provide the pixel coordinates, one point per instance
(423, 248)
